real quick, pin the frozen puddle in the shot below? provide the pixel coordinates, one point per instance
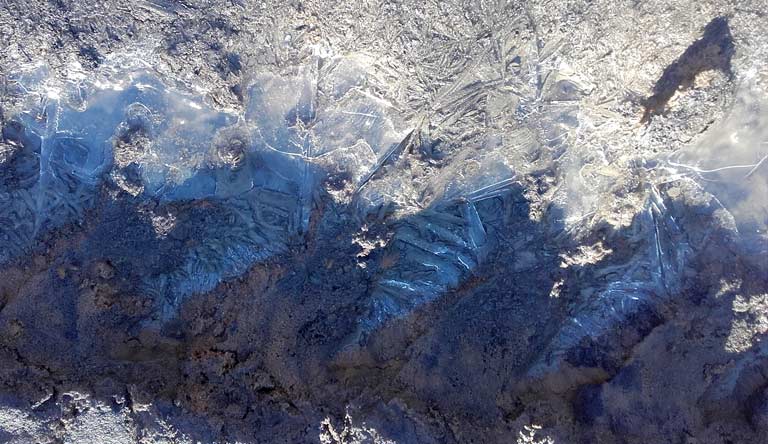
(162, 145)
(198, 195)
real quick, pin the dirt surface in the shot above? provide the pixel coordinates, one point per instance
(410, 222)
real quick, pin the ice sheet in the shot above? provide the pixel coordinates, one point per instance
(160, 143)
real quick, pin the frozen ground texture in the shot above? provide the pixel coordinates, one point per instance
(404, 222)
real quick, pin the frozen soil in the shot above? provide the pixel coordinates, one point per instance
(599, 277)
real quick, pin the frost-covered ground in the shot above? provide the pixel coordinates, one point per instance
(383, 222)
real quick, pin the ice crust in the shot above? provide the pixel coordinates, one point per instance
(160, 143)
(239, 188)
(258, 171)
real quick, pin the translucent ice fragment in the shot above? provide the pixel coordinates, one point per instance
(279, 106)
(357, 117)
(731, 160)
